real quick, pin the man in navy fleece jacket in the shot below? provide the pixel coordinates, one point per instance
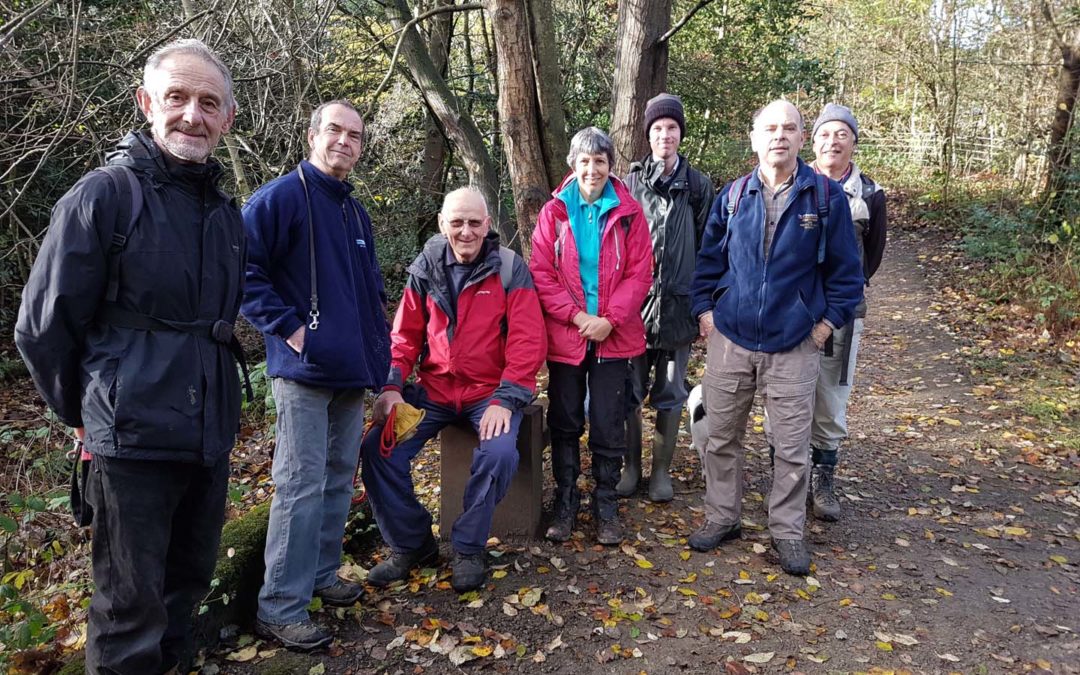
(327, 341)
(777, 272)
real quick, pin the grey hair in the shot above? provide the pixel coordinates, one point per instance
(198, 49)
(317, 113)
(757, 113)
(465, 190)
(590, 141)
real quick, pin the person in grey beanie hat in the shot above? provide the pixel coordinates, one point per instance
(835, 134)
(834, 112)
(665, 105)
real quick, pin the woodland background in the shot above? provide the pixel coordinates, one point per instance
(966, 111)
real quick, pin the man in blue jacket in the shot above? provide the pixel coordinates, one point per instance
(777, 272)
(315, 291)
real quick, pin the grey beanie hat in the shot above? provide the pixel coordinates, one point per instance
(834, 112)
(665, 105)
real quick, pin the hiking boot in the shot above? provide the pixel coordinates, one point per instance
(562, 526)
(609, 531)
(663, 450)
(631, 471)
(302, 635)
(340, 594)
(794, 556)
(710, 535)
(397, 566)
(470, 571)
(823, 497)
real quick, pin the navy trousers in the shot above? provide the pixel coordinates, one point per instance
(403, 521)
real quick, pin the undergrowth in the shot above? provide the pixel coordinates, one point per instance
(1027, 261)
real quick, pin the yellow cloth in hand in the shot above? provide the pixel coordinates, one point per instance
(406, 420)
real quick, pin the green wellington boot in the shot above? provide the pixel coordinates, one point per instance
(663, 449)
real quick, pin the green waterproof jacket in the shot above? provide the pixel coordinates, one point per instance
(676, 209)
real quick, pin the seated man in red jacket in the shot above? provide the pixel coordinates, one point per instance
(475, 335)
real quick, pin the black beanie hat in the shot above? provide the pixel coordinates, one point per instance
(665, 105)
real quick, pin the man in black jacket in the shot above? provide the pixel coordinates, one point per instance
(676, 198)
(126, 327)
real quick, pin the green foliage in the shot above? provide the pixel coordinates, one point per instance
(731, 59)
(23, 625)
(262, 407)
(1029, 261)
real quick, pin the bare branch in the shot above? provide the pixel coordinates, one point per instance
(401, 40)
(685, 20)
(15, 23)
(1059, 39)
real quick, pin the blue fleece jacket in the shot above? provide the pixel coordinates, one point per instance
(587, 221)
(351, 346)
(771, 306)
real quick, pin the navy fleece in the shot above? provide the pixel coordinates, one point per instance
(351, 347)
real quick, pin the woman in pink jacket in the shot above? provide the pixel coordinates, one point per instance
(592, 268)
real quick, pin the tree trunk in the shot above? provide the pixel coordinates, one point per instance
(518, 113)
(1059, 153)
(641, 63)
(552, 122)
(455, 119)
(432, 169)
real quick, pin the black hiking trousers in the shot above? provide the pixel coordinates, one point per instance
(605, 380)
(156, 529)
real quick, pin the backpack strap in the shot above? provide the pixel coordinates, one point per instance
(506, 266)
(821, 198)
(869, 187)
(735, 193)
(693, 180)
(129, 195)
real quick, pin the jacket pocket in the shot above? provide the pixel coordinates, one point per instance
(159, 394)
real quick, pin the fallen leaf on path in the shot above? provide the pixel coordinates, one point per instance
(243, 655)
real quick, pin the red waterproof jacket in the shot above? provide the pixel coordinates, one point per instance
(626, 266)
(490, 346)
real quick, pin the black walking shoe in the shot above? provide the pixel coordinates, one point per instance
(341, 594)
(794, 556)
(397, 566)
(710, 535)
(823, 497)
(470, 571)
(609, 531)
(560, 529)
(302, 635)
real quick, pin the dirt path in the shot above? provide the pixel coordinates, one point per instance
(951, 555)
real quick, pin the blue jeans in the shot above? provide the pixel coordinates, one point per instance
(318, 444)
(403, 521)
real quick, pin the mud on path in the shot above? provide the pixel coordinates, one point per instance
(952, 555)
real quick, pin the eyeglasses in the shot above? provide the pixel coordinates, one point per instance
(458, 223)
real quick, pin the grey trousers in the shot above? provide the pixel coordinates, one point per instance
(667, 391)
(787, 381)
(318, 446)
(831, 398)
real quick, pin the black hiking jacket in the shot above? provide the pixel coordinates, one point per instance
(676, 213)
(141, 394)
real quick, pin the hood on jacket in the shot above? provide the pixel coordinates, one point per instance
(138, 151)
(626, 200)
(430, 261)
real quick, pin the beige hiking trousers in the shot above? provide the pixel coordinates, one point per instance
(787, 381)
